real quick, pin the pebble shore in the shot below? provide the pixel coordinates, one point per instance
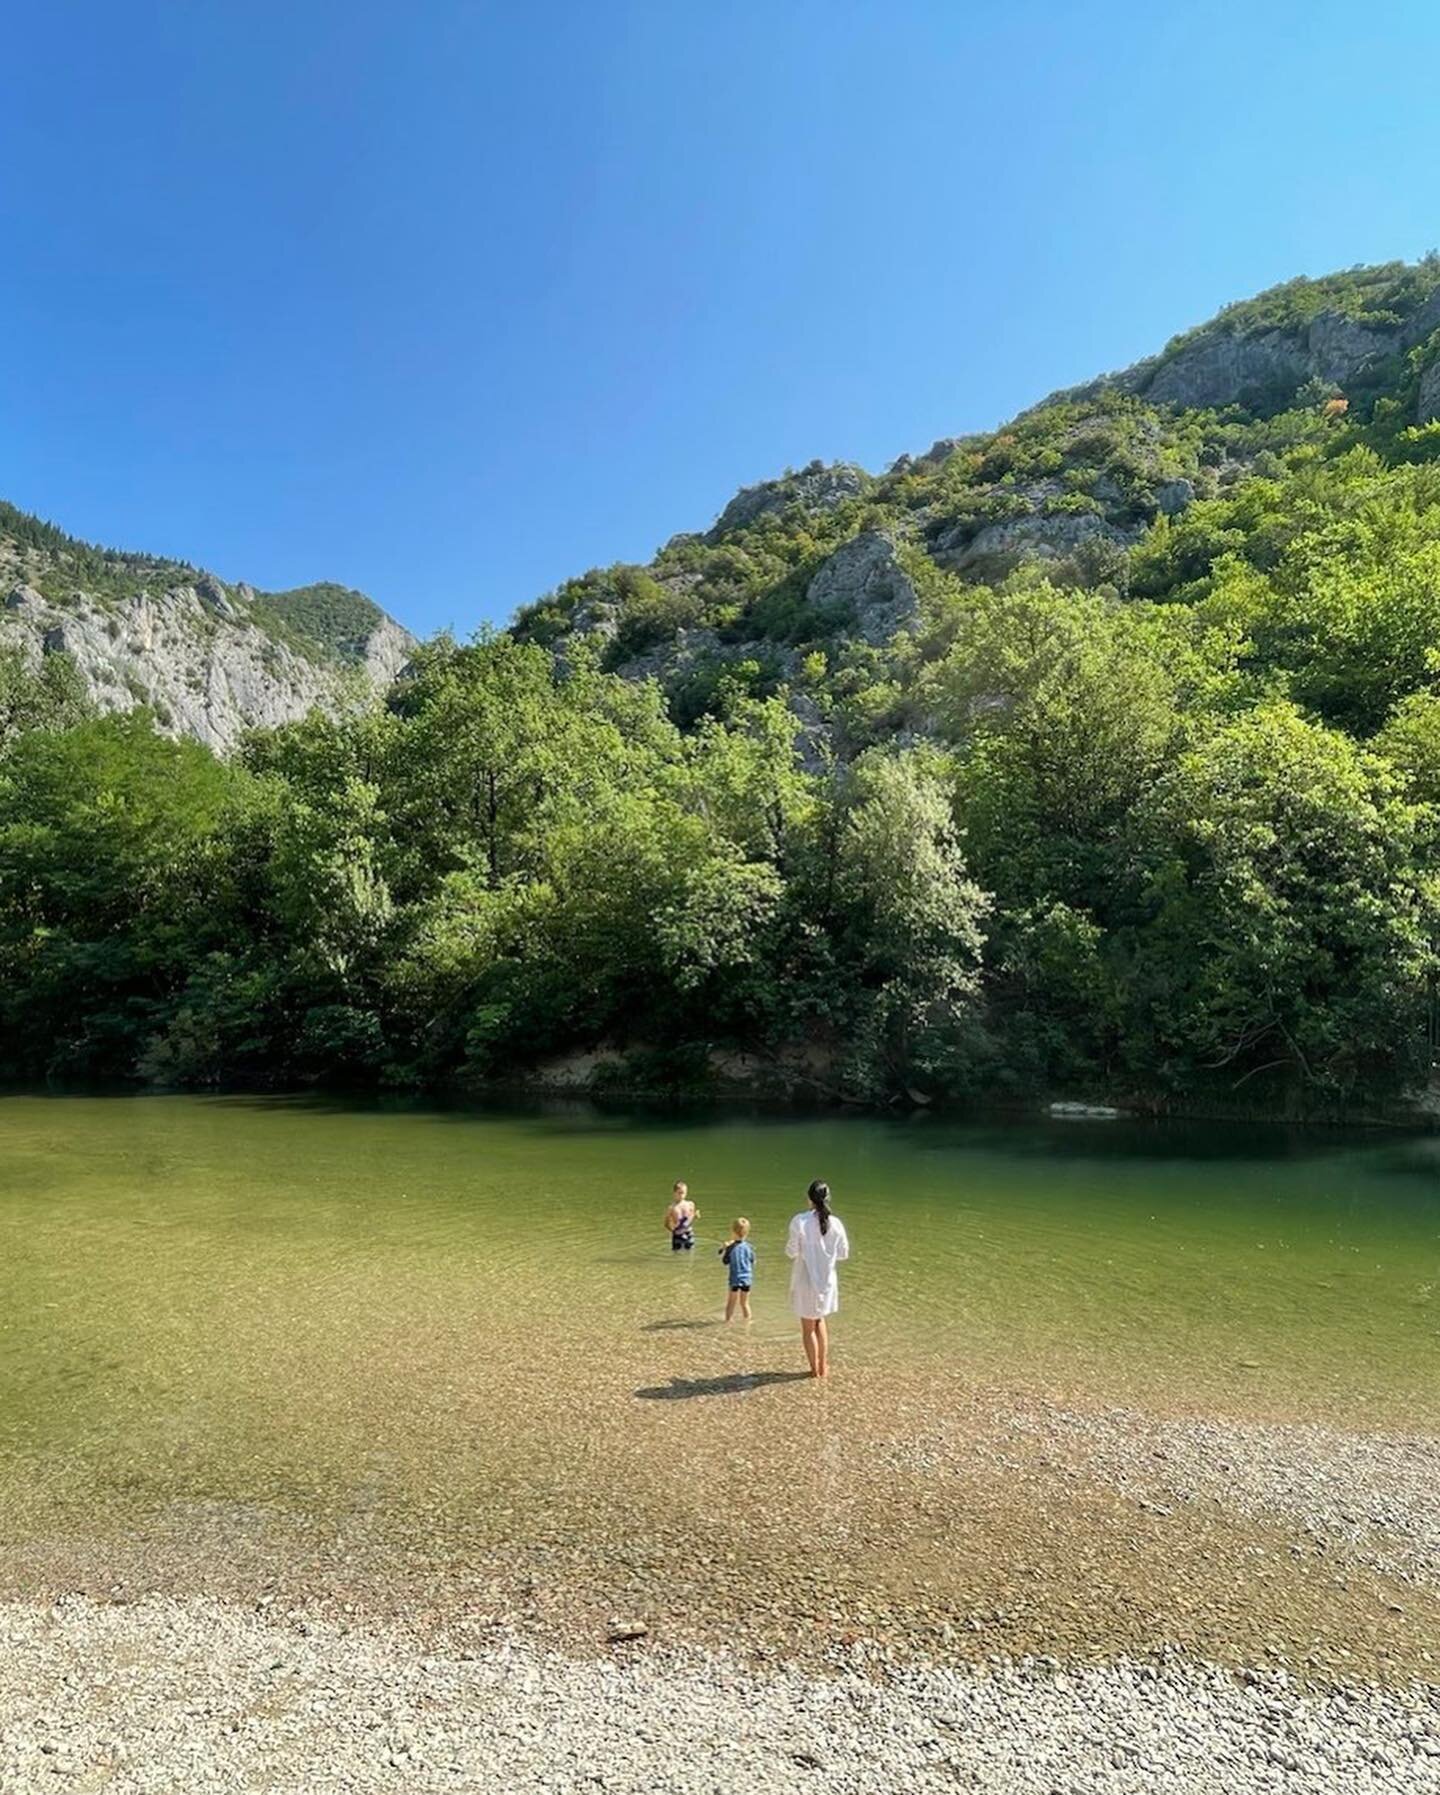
(1086, 1602)
(195, 1695)
(1374, 1496)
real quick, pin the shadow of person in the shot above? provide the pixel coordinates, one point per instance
(735, 1383)
(661, 1327)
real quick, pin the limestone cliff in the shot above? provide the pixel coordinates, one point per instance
(211, 660)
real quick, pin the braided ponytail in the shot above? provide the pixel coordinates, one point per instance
(819, 1194)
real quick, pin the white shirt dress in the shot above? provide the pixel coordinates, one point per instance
(814, 1287)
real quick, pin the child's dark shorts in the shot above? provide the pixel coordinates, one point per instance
(744, 1287)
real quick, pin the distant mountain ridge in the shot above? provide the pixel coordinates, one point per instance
(829, 560)
(210, 659)
(834, 560)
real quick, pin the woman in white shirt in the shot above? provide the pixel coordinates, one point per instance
(817, 1244)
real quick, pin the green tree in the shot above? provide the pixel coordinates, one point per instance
(1293, 922)
(110, 889)
(906, 927)
(50, 696)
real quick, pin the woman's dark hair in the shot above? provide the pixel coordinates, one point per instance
(819, 1194)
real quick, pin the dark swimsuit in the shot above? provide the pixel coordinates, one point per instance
(682, 1236)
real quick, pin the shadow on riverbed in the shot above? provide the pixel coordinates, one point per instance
(736, 1384)
(665, 1327)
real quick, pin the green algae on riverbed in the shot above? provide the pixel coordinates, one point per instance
(244, 1337)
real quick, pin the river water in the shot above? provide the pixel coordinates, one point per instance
(459, 1337)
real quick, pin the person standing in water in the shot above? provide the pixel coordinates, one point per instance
(739, 1257)
(817, 1244)
(680, 1219)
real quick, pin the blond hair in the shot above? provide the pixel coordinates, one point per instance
(740, 1227)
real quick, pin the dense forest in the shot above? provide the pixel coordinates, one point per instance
(1096, 755)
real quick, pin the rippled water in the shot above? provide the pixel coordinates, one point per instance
(473, 1320)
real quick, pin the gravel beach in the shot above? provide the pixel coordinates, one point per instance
(1374, 1496)
(1133, 1603)
(148, 1692)
(163, 1696)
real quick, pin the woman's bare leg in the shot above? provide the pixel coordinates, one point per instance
(807, 1334)
(822, 1350)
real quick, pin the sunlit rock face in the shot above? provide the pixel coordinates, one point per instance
(212, 661)
(865, 579)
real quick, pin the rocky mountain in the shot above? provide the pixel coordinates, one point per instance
(834, 562)
(1121, 739)
(1345, 329)
(815, 580)
(211, 660)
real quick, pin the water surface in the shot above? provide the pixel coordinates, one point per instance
(465, 1330)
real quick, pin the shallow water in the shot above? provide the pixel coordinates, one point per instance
(469, 1326)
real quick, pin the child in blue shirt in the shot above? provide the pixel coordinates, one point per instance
(739, 1257)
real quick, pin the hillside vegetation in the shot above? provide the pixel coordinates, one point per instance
(1097, 754)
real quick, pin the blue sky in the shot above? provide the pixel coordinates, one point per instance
(450, 301)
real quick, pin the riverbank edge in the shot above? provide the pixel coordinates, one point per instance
(1422, 1116)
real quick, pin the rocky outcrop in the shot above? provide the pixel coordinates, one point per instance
(385, 652)
(999, 547)
(1218, 370)
(687, 649)
(193, 654)
(1337, 348)
(211, 592)
(1428, 407)
(815, 488)
(866, 579)
(1173, 496)
(1424, 322)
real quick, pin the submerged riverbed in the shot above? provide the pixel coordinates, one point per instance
(1088, 1377)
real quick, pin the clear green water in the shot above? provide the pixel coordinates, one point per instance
(349, 1309)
